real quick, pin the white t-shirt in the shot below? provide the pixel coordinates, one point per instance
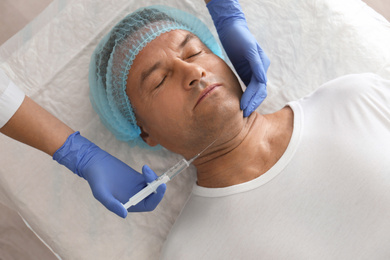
(328, 197)
(11, 97)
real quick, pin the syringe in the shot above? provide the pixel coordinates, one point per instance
(164, 178)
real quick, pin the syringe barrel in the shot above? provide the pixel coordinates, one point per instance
(152, 187)
(145, 192)
(177, 168)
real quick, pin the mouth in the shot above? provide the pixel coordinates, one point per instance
(206, 92)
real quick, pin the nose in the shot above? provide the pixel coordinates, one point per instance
(192, 74)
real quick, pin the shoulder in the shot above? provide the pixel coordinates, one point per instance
(352, 87)
(356, 83)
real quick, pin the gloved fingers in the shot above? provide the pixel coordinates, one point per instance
(258, 71)
(256, 99)
(149, 177)
(249, 92)
(109, 201)
(150, 202)
(244, 71)
(257, 66)
(264, 60)
(149, 174)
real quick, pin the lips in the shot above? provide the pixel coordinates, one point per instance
(206, 92)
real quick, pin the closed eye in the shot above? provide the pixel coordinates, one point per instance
(161, 82)
(194, 54)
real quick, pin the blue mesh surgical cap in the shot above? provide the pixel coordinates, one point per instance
(114, 55)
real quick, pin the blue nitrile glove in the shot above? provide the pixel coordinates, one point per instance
(246, 55)
(112, 181)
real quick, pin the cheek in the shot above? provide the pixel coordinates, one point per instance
(165, 112)
(219, 67)
(169, 101)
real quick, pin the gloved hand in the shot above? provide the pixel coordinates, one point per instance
(246, 55)
(112, 181)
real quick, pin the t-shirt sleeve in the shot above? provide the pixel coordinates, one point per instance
(11, 97)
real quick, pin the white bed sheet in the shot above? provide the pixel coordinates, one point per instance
(308, 43)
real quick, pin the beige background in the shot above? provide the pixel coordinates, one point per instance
(14, 15)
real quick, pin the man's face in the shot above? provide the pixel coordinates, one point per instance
(183, 95)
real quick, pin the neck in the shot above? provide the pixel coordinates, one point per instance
(254, 150)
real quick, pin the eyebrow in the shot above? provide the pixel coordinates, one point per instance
(147, 73)
(157, 65)
(188, 37)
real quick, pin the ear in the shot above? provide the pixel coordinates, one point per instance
(147, 138)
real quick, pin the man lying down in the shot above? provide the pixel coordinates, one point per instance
(310, 181)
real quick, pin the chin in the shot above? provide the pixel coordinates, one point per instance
(222, 118)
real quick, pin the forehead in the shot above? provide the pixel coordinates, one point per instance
(177, 38)
(173, 41)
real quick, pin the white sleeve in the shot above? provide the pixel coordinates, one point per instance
(11, 97)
